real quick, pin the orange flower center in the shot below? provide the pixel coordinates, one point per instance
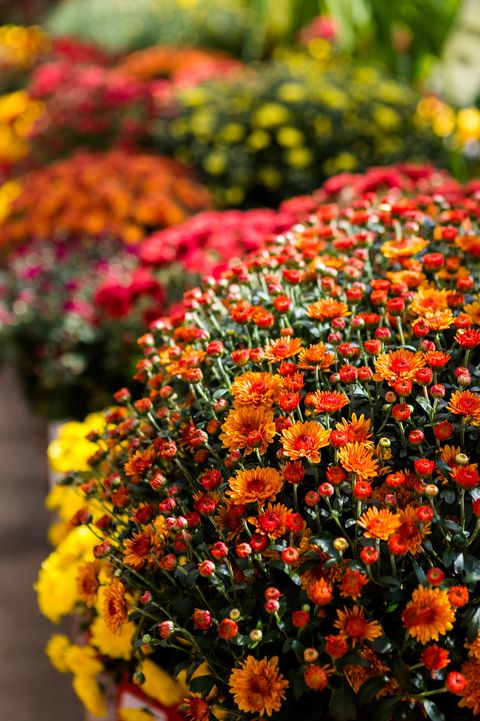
(304, 443)
(398, 365)
(356, 627)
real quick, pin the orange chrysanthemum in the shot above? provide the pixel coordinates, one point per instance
(327, 308)
(144, 547)
(257, 389)
(473, 312)
(115, 606)
(320, 592)
(327, 401)
(255, 485)
(470, 696)
(304, 440)
(439, 319)
(398, 365)
(358, 458)
(404, 247)
(379, 523)
(465, 403)
(353, 624)
(357, 674)
(352, 583)
(474, 648)
(429, 614)
(88, 582)
(230, 517)
(316, 356)
(278, 350)
(428, 300)
(248, 427)
(272, 521)
(411, 278)
(196, 708)
(410, 531)
(257, 686)
(356, 429)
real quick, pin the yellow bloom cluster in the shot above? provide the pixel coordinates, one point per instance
(461, 127)
(18, 115)
(21, 46)
(284, 128)
(70, 450)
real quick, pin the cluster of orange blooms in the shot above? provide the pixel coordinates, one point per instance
(295, 497)
(113, 193)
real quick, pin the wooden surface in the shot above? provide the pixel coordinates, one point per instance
(30, 688)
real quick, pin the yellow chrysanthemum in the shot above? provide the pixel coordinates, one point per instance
(429, 614)
(257, 686)
(56, 650)
(114, 645)
(160, 685)
(90, 694)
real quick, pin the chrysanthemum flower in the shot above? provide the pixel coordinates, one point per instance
(281, 348)
(359, 459)
(351, 622)
(115, 606)
(358, 674)
(470, 696)
(316, 676)
(255, 485)
(356, 429)
(428, 300)
(196, 708)
(320, 592)
(327, 401)
(88, 582)
(409, 529)
(316, 356)
(144, 547)
(248, 427)
(398, 364)
(326, 309)
(257, 389)
(257, 686)
(465, 403)
(403, 248)
(352, 583)
(273, 520)
(429, 614)
(435, 658)
(304, 440)
(379, 523)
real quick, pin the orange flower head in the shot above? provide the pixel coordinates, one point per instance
(316, 677)
(470, 696)
(145, 546)
(304, 440)
(196, 708)
(409, 529)
(398, 365)
(248, 427)
(465, 403)
(278, 350)
(115, 606)
(257, 686)
(273, 520)
(352, 583)
(316, 356)
(327, 401)
(428, 300)
(429, 614)
(88, 582)
(379, 523)
(353, 624)
(438, 319)
(358, 674)
(256, 389)
(358, 458)
(356, 429)
(326, 309)
(474, 648)
(320, 592)
(255, 485)
(404, 247)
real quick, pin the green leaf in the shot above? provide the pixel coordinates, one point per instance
(384, 710)
(471, 568)
(370, 688)
(433, 712)
(343, 703)
(202, 683)
(471, 619)
(420, 574)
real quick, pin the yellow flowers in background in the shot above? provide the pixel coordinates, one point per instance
(18, 115)
(70, 450)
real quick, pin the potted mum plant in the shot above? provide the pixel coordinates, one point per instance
(291, 510)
